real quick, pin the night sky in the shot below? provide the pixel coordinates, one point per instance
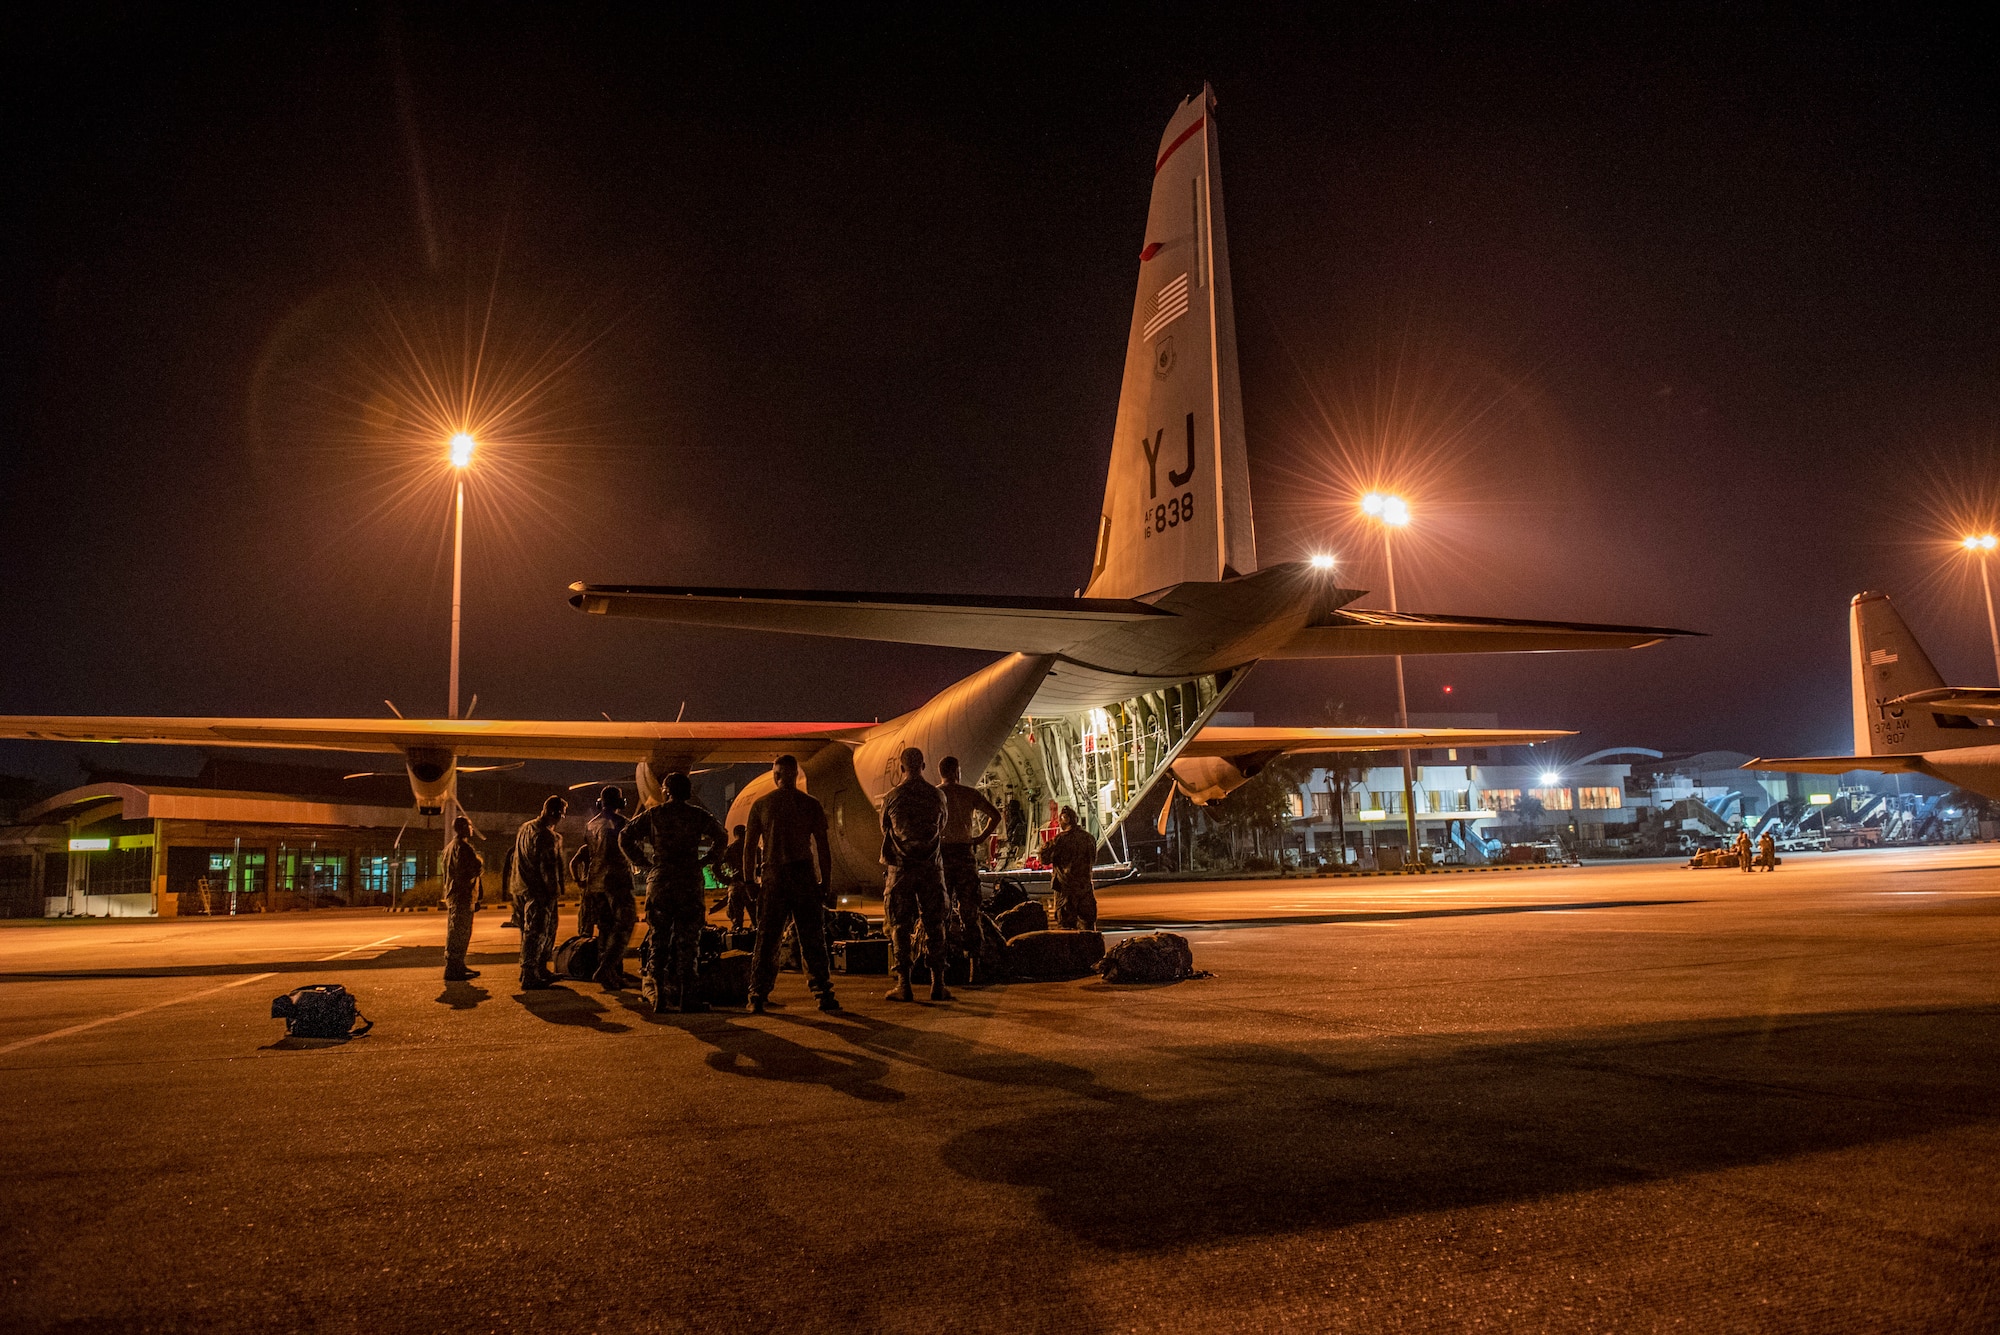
(1681, 320)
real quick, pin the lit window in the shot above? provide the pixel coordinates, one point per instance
(1600, 799)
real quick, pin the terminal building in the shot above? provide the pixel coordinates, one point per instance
(1616, 802)
(246, 837)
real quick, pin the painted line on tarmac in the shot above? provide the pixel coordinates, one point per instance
(18, 1044)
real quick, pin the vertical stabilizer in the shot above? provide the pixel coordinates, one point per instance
(1887, 662)
(1177, 502)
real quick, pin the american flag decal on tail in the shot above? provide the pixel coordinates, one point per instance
(1168, 306)
(1880, 657)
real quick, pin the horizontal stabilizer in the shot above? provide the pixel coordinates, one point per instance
(684, 743)
(1351, 633)
(1000, 624)
(1219, 741)
(1957, 699)
(1839, 764)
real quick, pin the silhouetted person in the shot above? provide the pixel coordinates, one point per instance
(912, 830)
(610, 911)
(462, 869)
(1743, 849)
(787, 831)
(1767, 851)
(538, 871)
(740, 902)
(965, 808)
(670, 843)
(1017, 828)
(1069, 857)
(507, 895)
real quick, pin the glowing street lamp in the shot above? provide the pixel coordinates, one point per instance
(1981, 545)
(1322, 561)
(1393, 512)
(462, 446)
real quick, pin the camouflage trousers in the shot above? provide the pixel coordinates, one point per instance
(916, 894)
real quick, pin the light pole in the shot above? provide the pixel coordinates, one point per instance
(1982, 545)
(1392, 513)
(462, 446)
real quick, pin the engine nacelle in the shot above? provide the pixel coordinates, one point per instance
(1206, 779)
(652, 790)
(969, 720)
(433, 775)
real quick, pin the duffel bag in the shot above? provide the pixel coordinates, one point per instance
(321, 1010)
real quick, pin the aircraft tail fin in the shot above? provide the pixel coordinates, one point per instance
(1886, 664)
(1177, 501)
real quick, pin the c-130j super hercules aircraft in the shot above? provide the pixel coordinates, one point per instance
(1099, 697)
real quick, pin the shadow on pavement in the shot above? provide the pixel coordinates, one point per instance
(1327, 1135)
(292, 1043)
(753, 1050)
(559, 1005)
(462, 996)
(964, 1058)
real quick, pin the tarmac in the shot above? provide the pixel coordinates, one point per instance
(1615, 1097)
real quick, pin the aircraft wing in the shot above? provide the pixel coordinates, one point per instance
(1957, 699)
(1000, 624)
(1350, 633)
(1911, 764)
(685, 743)
(1217, 741)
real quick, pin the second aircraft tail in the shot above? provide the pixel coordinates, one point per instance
(1886, 663)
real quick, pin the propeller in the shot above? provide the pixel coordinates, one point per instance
(599, 783)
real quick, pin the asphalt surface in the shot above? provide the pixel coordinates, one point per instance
(1620, 1097)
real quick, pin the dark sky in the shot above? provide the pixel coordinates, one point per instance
(1684, 319)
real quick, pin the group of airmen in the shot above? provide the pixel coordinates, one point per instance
(778, 870)
(1765, 855)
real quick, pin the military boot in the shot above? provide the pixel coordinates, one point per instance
(939, 992)
(901, 991)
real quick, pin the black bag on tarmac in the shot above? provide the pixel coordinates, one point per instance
(321, 1010)
(576, 958)
(1005, 896)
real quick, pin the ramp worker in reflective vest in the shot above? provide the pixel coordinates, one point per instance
(609, 908)
(787, 829)
(666, 843)
(912, 832)
(1069, 857)
(462, 869)
(538, 870)
(964, 806)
